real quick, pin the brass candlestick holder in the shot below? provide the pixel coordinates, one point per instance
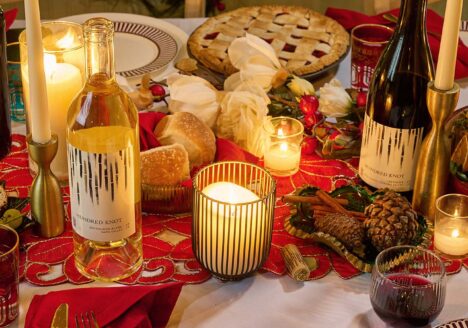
(46, 195)
(433, 164)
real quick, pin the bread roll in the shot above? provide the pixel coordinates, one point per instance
(164, 165)
(186, 129)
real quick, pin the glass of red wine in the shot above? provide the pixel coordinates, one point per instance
(9, 261)
(408, 285)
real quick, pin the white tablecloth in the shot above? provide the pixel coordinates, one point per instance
(267, 300)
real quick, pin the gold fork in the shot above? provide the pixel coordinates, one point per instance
(86, 320)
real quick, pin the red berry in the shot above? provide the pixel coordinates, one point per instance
(220, 6)
(333, 135)
(309, 104)
(361, 99)
(157, 90)
(308, 145)
(310, 120)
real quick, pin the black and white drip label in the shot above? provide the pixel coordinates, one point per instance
(102, 194)
(389, 156)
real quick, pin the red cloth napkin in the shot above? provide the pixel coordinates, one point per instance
(434, 23)
(10, 16)
(116, 307)
(225, 150)
(148, 122)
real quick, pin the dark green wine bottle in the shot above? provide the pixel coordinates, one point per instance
(397, 117)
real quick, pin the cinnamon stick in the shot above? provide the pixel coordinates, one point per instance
(314, 200)
(357, 215)
(330, 201)
(325, 208)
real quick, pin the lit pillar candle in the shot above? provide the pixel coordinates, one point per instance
(445, 72)
(451, 236)
(63, 82)
(39, 113)
(237, 232)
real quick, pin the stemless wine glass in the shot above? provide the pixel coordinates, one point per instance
(408, 285)
(9, 262)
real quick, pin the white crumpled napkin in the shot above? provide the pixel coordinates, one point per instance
(256, 61)
(243, 112)
(194, 95)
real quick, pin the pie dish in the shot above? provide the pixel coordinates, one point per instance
(304, 40)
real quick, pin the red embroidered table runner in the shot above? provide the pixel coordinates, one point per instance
(167, 241)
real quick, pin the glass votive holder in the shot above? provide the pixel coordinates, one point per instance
(14, 82)
(451, 225)
(233, 205)
(408, 286)
(9, 277)
(64, 66)
(282, 154)
(367, 43)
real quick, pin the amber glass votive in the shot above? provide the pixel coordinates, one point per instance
(64, 67)
(233, 204)
(451, 225)
(282, 154)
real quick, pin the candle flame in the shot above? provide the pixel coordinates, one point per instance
(284, 146)
(280, 132)
(455, 233)
(67, 41)
(50, 62)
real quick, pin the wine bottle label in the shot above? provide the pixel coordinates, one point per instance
(389, 155)
(102, 196)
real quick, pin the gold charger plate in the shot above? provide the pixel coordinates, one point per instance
(340, 249)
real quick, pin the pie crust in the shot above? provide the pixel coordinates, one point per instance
(304, 40)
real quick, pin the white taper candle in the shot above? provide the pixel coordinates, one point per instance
(445, 72)
(38, 109)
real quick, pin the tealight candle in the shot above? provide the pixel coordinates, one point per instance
(64, 70)
(283, 145)
(451, 225)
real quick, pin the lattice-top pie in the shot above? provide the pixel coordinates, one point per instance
(304, 40)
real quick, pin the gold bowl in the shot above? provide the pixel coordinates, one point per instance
(357, 262)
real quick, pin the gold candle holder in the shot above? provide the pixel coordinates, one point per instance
(433, 163)
(46, 195)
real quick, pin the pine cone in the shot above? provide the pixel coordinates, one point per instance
(346, 229)
(391, 221)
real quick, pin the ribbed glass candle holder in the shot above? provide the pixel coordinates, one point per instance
(233, 206)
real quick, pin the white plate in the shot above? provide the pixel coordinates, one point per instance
(460, 323)
(142, 44)
(464, 32)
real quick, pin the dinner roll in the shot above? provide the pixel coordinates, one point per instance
(164, 165)
(188, 130)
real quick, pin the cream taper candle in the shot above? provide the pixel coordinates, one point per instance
(39, 111)
(445, 72)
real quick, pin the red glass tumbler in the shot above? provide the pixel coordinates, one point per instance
(367, 43)
(9, 261)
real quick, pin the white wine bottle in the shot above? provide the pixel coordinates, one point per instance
(104, 167)
(397, 117)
